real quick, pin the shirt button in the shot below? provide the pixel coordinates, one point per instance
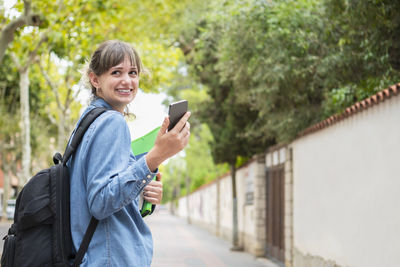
(149, 176)
(144, 181)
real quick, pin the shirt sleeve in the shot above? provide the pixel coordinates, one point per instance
(113, 178)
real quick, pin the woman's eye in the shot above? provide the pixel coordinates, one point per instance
(115, 72)
(133, 72)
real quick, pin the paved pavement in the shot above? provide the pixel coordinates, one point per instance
(4, 225)
(179, 244)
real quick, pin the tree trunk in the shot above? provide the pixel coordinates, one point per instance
(25, 126)
(187, 181)
(61, 140)
(7, 182)
(235, 230)
(62, 126)
(6, 191)
(218, 209)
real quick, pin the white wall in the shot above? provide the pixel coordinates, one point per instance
(214, 212)
(346, 191)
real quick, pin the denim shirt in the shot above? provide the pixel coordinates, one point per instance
(106, 180)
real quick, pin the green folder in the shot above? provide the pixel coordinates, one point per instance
(139, 147)
(143, 144)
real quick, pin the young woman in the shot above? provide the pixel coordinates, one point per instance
(106, 178)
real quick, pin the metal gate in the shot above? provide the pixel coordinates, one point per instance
(275, 247)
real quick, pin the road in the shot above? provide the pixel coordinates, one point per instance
(4, 225)
(179, 244)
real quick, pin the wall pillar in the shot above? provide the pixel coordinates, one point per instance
(289, 208)
(260, 206)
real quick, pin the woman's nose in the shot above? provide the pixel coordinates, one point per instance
(126, 78)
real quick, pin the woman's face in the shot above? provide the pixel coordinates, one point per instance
(117, 86)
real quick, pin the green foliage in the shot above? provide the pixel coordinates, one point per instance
(173, 175)
(255, 72)
(195, 167)
(68, 34)
(276, 57)
(364, 52)
(292, 63)
(9, 88)
(200, 166)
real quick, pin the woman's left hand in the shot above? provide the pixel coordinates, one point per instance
(154, 190)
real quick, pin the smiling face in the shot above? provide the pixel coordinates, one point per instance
(118, 85)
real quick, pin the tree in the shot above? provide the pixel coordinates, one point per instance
(23, 69)
(9, 148)
(64, 54)
(27, 18)
(224, 113)
(69, 30)
(298, 62)
(276, 54)
(364, 54)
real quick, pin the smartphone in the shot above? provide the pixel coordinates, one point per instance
(176, 111)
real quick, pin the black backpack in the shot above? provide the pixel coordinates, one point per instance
(41, 233)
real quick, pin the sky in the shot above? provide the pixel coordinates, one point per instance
(147, 107)
(149, 111)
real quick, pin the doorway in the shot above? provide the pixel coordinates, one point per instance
(275, 182)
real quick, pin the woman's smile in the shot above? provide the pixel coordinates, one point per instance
(119, 85)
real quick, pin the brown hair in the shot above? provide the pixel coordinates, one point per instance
(109, 54)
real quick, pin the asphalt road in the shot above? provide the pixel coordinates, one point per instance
(179, 244)
(4, 225)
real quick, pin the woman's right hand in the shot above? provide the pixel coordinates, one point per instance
(169, 143)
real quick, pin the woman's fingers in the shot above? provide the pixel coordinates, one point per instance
(153, 192)
(164, 126)
(169, 143)
(181, 123)
(153, 199)
(158, 176)
(153, 186)
(186, 130)
(185, 134)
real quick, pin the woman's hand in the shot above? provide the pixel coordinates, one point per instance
(169, 143)
(154, 190)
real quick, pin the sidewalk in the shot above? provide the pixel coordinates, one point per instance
(4, 225)
(178, 244)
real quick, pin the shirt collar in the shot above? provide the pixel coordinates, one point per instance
(100, 102)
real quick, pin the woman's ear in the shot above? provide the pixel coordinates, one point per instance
(94, 80)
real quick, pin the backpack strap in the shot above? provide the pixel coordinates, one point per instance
(69, 151)
(85, 242)
(80, 132)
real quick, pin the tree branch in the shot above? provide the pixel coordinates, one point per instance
(52, 85)
(69, 97)
(27, 7)
(7, 34)
(33, 54)
(51, 118)
(16, 60)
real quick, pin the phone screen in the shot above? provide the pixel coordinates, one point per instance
(175, 112)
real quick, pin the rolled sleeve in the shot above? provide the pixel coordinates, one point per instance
(142, 176)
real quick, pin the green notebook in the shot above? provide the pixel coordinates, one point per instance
(140, 146)
(145, 143)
